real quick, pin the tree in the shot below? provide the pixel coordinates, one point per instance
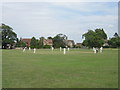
(59, 40)
(101, 33)
(116, 35)
(33, 43)
(114, 42)
(50, 38)
(94, 38)
(8, 36)
(0, 39)
(41, 44)
(20, 43)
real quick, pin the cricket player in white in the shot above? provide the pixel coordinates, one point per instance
(94, 49)
(64, 50)
(101, 49)
(34, 50)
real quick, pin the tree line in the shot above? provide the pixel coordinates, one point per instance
(98, 38)
(58, 41)
(92, 38)
(9, 38)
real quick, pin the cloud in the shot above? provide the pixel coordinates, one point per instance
(49, 19)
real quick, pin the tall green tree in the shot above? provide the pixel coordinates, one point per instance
(101, 33)
(41, 42)
(114, 42)
(94, 38)
(33, 43)
(59, 40)
(8, 36)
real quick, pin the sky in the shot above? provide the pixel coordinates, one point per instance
(73, 19)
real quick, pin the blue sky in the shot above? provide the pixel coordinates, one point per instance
(50, 18)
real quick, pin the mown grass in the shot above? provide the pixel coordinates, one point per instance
(52, 69)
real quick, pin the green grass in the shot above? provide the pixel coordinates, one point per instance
(46, 69)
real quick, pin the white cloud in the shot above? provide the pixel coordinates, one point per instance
(88, 6)
(49, 19)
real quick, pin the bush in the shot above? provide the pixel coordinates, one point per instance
(106, 46)
(47, 46)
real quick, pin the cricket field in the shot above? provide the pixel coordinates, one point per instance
(79, 68)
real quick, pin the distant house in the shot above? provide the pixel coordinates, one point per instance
(47, 42)
(106, 43)
(26, 41)
(70, 43)
(78, 45)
